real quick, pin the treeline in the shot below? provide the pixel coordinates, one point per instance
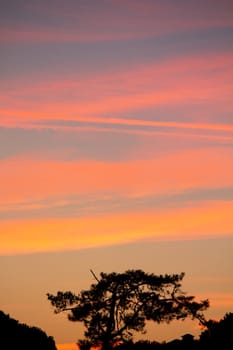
(15, 335)
(218, 335)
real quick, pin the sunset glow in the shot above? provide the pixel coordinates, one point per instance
(49, 235)
(116, 134)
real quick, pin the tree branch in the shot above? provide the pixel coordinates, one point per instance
(94, 275)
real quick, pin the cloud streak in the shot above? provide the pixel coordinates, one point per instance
(21, 178)
(157, 94)
(59, 121)
(210, 219)
(110, 22)
(108, 203)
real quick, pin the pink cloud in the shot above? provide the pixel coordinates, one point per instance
(120, 21)
(177, 82)
(27, 178)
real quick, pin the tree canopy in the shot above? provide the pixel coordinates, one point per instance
(120, 303)
(16, 335)
(218, 334)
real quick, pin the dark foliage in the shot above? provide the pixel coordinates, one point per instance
(119, 303)
(15, 335)
(219, 335)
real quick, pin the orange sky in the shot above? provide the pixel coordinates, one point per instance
(28, 236)
(23, 178)
(116, 136)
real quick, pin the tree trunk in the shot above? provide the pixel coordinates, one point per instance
(106, 345)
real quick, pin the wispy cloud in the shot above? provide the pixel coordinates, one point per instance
(111, 21)
(28, 119)
(24, 177)
(106, 100)
(210, 219)
(77, 206)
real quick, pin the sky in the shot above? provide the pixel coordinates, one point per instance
(116, 135)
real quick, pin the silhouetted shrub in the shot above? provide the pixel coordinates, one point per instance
(15, 335)
(219, 335)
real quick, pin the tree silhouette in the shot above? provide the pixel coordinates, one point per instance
(119, 303)
(16, 335)
(219, 334)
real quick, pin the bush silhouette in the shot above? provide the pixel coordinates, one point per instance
(219, 335)
(15, 335)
